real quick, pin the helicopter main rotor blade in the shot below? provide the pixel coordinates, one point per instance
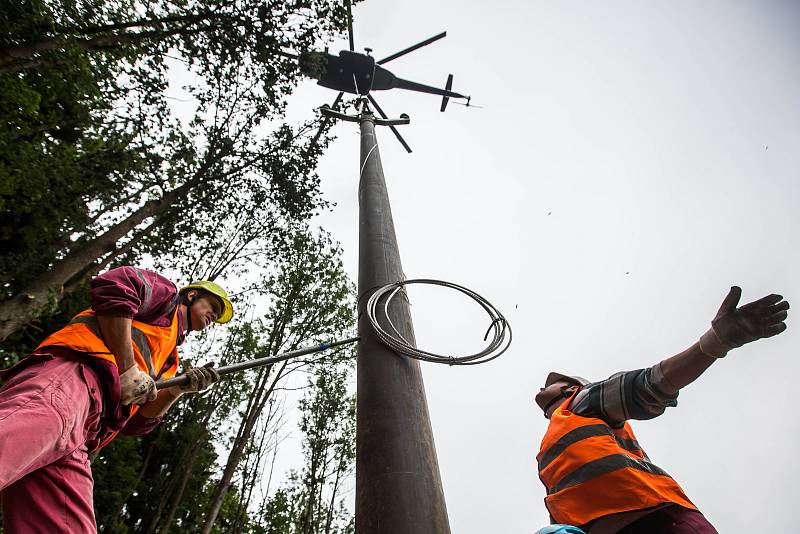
(325, 119)
(350, 24)
(412, 48)
(422, 88)
(394, 130)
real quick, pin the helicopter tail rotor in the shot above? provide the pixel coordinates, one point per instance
(447, 87)
(468, 104)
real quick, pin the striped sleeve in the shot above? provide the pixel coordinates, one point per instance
(639, 394)
(135, 293)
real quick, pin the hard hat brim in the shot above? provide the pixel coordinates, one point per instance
(554, 377)
(227, 311)
(214, 289)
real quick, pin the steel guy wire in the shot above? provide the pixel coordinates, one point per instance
(499, 328)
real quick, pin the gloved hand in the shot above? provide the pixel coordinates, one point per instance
(137, 386)
(733, 327)
(200, 378)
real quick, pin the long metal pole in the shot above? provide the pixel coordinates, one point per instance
(398, 486)
(258, 362)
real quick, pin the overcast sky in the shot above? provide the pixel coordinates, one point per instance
(632, 162)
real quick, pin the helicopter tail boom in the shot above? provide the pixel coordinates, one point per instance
(422, 88)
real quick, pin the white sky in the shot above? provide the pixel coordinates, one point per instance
(642, 128)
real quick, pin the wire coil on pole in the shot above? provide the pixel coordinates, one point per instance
(499, 328)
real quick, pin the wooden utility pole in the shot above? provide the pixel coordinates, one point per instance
(398, 486)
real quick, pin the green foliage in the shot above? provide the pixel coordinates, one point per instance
(310, 299)
(87, 134)
(88, 137)
(116, 472)
(49, 158)
(57, 151)
(311, 502)
(22, 342)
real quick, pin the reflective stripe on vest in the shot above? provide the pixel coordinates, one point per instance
(591, 470)
(581, 433)
(148, 291)
(604, 465)
(154, 347)
(139, 339)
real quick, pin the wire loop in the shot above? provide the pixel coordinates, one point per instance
(499, 327)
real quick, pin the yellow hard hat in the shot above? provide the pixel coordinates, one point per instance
(215, 289)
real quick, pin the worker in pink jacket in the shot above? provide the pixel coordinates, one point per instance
(85, 383)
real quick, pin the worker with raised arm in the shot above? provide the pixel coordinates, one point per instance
(87, 382)
(596, 473)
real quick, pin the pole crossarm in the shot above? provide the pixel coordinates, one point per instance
(403, 120)
(338, 115)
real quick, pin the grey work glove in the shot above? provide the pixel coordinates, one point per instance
(200, 378)
(137, 386)
(733, 327)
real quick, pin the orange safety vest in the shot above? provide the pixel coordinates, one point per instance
(591, 470)
(154, 347)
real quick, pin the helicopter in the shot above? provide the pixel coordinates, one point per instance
(356, 73)
(359, 74)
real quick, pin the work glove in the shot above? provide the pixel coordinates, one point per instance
(200, 378)
(137, 386)
(733, 327)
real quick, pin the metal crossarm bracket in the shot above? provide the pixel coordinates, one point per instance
(404, 119)
(333, 114)
(328, 112)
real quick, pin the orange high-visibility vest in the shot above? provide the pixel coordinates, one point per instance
(154, 347)
(591, 470)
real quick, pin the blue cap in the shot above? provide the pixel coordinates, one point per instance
(560, 529)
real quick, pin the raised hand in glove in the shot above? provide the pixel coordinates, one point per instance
(137, 386)
(200, 378)
(733, 327)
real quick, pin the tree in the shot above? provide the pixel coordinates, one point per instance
(328, 425)
(235, 25)
(152, 174)
(311, 304)
(311, 501)
(96, 170)
(177, 487)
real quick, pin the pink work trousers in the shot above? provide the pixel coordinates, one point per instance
(48, 412)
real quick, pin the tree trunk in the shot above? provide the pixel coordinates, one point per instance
(237, 451)
(332, 504)
(249, 481)
(48, 288)
(85, 276)
(307, 521)
(17, 57)
(142, 471)
(177, 497)
(162, 503)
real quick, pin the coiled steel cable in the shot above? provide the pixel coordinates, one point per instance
(499, 328)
